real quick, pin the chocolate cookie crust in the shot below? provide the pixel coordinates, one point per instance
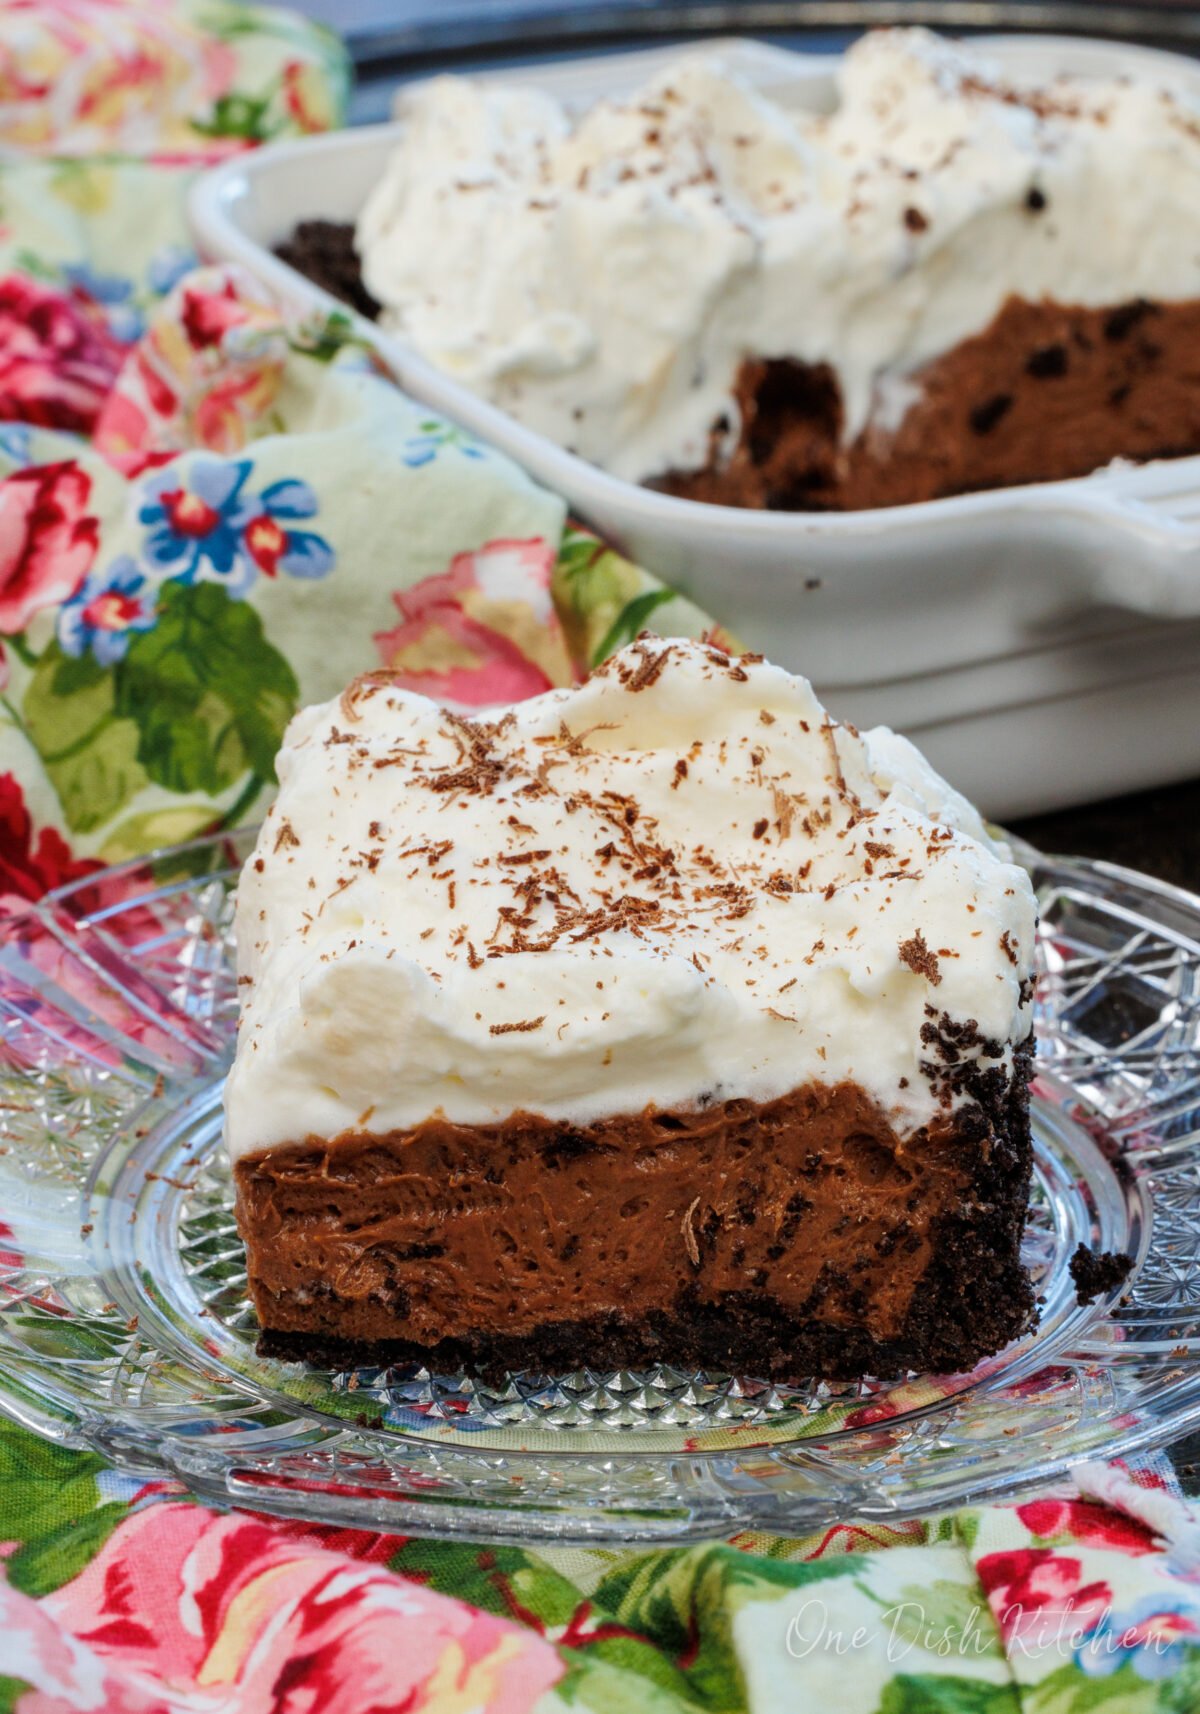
(323, 251)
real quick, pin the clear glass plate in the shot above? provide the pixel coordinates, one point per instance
(123, 1324)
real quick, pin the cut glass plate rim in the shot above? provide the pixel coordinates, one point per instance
(132, 1337)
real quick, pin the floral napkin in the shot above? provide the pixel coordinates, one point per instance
(231, 516)
(127, 1597)
(210, 515)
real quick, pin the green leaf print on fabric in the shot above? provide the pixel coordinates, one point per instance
(1069, 1691)
(682, 1602)
(159, 829)
(502, 1580)
(324, 336)
(635, 1588)
(1182, 1694)
(42, 1566)
(592, 586)
(603, 600)
(629, 621)
(11, 1692)
(930, 1693)
(42, 1486)
(947, 1617)
(611, 1668)
(595, 1686)
(48, 1504)
(238, 115)
(210, 695)
(87, 749)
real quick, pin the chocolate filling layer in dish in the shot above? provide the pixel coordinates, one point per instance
(660, 1019)
(1048, 391)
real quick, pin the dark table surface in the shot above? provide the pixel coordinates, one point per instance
(1156, 831)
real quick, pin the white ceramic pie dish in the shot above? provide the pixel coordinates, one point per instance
(1033, 640)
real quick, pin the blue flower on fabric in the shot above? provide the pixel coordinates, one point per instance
(271, 542)
(104, 612)
(196, 518)
(168, 266)
(423, 447)
(205, 525)
(114, 296)
(1154, 1634)
(14, 442)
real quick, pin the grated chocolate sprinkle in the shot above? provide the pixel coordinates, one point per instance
(920, 959)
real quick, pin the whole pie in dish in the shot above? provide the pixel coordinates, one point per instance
(952, 281)
(662, 1019)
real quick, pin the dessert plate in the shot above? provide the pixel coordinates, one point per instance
(1039, 644)
(123, 1324)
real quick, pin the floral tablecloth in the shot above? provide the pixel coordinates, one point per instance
(210, 514)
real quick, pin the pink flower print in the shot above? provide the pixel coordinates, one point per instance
(47, 539)
(1038, 1596)
(306, 96)
(208, 315)
(31, 862)
(484, 631)
(85, 75)
(1088, 1523)
(238, 1610)
(57, 363)
(206, 374)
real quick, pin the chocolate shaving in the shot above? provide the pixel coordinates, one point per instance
(828, 730)
(286, 836)
(519, 1028)
(365, 685)
(432, 852)
(689, 1236)
(651, 664)
(920, 959)
(480, 770)
(785, 809)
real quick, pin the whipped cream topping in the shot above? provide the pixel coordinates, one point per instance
(604, 279)
(680, 882)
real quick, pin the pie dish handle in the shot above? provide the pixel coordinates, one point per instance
(1143, 532)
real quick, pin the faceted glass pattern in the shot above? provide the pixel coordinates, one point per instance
(124, 1325)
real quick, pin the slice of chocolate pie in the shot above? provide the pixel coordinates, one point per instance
(658, 1020)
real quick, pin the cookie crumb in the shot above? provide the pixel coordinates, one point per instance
(1097, 1271)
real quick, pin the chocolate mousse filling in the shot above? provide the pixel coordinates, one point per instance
(797, 1236)
(1047, 391)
